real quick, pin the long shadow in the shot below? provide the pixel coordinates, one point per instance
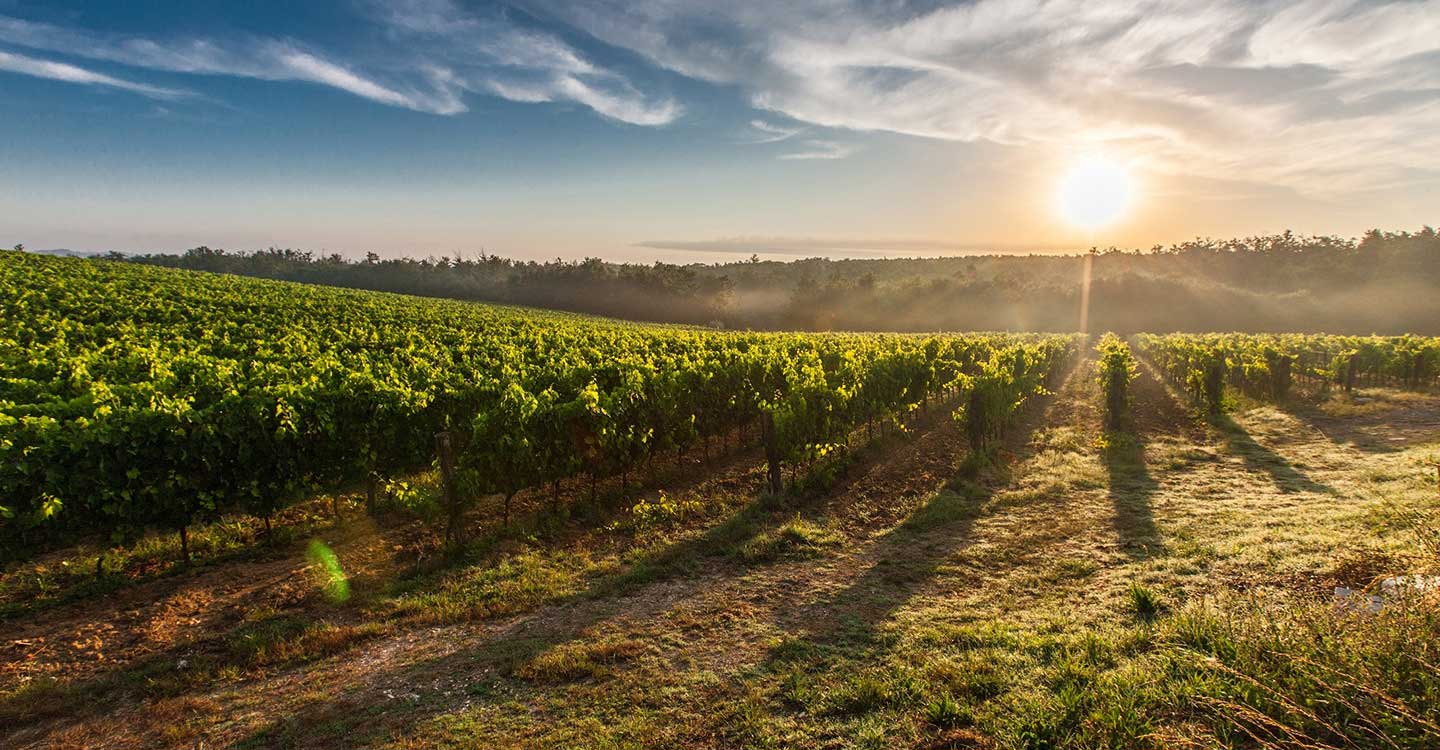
(351, 716)
(1391, 430)
(765, 513)
(1131, 488)
(1262, 460)
(1155, 411)
(183, 668)
(909, 557)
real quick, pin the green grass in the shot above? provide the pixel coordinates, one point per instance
(573, 661)
(513, 583)
(1146, 604)
(268, 639)
(794, 539)
(75, 574)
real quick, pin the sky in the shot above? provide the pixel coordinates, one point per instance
(702, 131)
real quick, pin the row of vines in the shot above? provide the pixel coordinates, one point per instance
(134, 397)
(1117, 368)
(1270, 366)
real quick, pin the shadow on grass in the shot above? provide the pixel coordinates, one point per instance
(909, 557)
(1262, 460)
(1393, 421)
(906, 560)
(1131, 488)
(278, 640)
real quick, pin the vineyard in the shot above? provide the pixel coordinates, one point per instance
(139, 398)
(545, 530)
(1267, 366)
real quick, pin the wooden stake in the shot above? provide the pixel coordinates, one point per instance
(772, 453)
(444, 452)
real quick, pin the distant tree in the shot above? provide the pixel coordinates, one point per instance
(19, 247)
(1281, 282)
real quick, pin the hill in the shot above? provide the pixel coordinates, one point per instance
(1382, 283)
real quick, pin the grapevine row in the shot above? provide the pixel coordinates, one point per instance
(1117, 368)
(135, 397)
(1269, 366)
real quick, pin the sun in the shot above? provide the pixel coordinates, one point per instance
(1095, 192)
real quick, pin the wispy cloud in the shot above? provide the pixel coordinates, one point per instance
(262, 58)
(1317, 95)
(441, 53)
(59, 71)
(307, 67)
(491, 53)
(766, 132)
(819, 149)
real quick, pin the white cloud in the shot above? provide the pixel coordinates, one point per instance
(1317, 95)
(1320, 95)
(266, 59)
(304, 66)
(819, 149)
(73, 74)
(492, 54)
(622, 105)
(767, 132)
(442, 52)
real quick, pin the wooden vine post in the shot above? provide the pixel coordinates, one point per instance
(446, 454)
(370, 467)
(772, 452)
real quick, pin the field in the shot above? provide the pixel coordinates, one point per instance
(662, 537)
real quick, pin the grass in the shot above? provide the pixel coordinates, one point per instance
(1146, 604)
(795, 539)
(1044, 638)
(573, 661)
(513, 583)
(867, 693)
(274, 640)
(77, 573)
(947, 713)
(1302, 674)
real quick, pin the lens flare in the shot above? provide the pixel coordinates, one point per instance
(330, 575)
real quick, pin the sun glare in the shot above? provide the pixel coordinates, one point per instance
(1095, 192)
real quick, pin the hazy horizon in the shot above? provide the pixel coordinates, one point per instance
(684, 131)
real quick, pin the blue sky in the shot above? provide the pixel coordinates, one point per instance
(686, 130)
